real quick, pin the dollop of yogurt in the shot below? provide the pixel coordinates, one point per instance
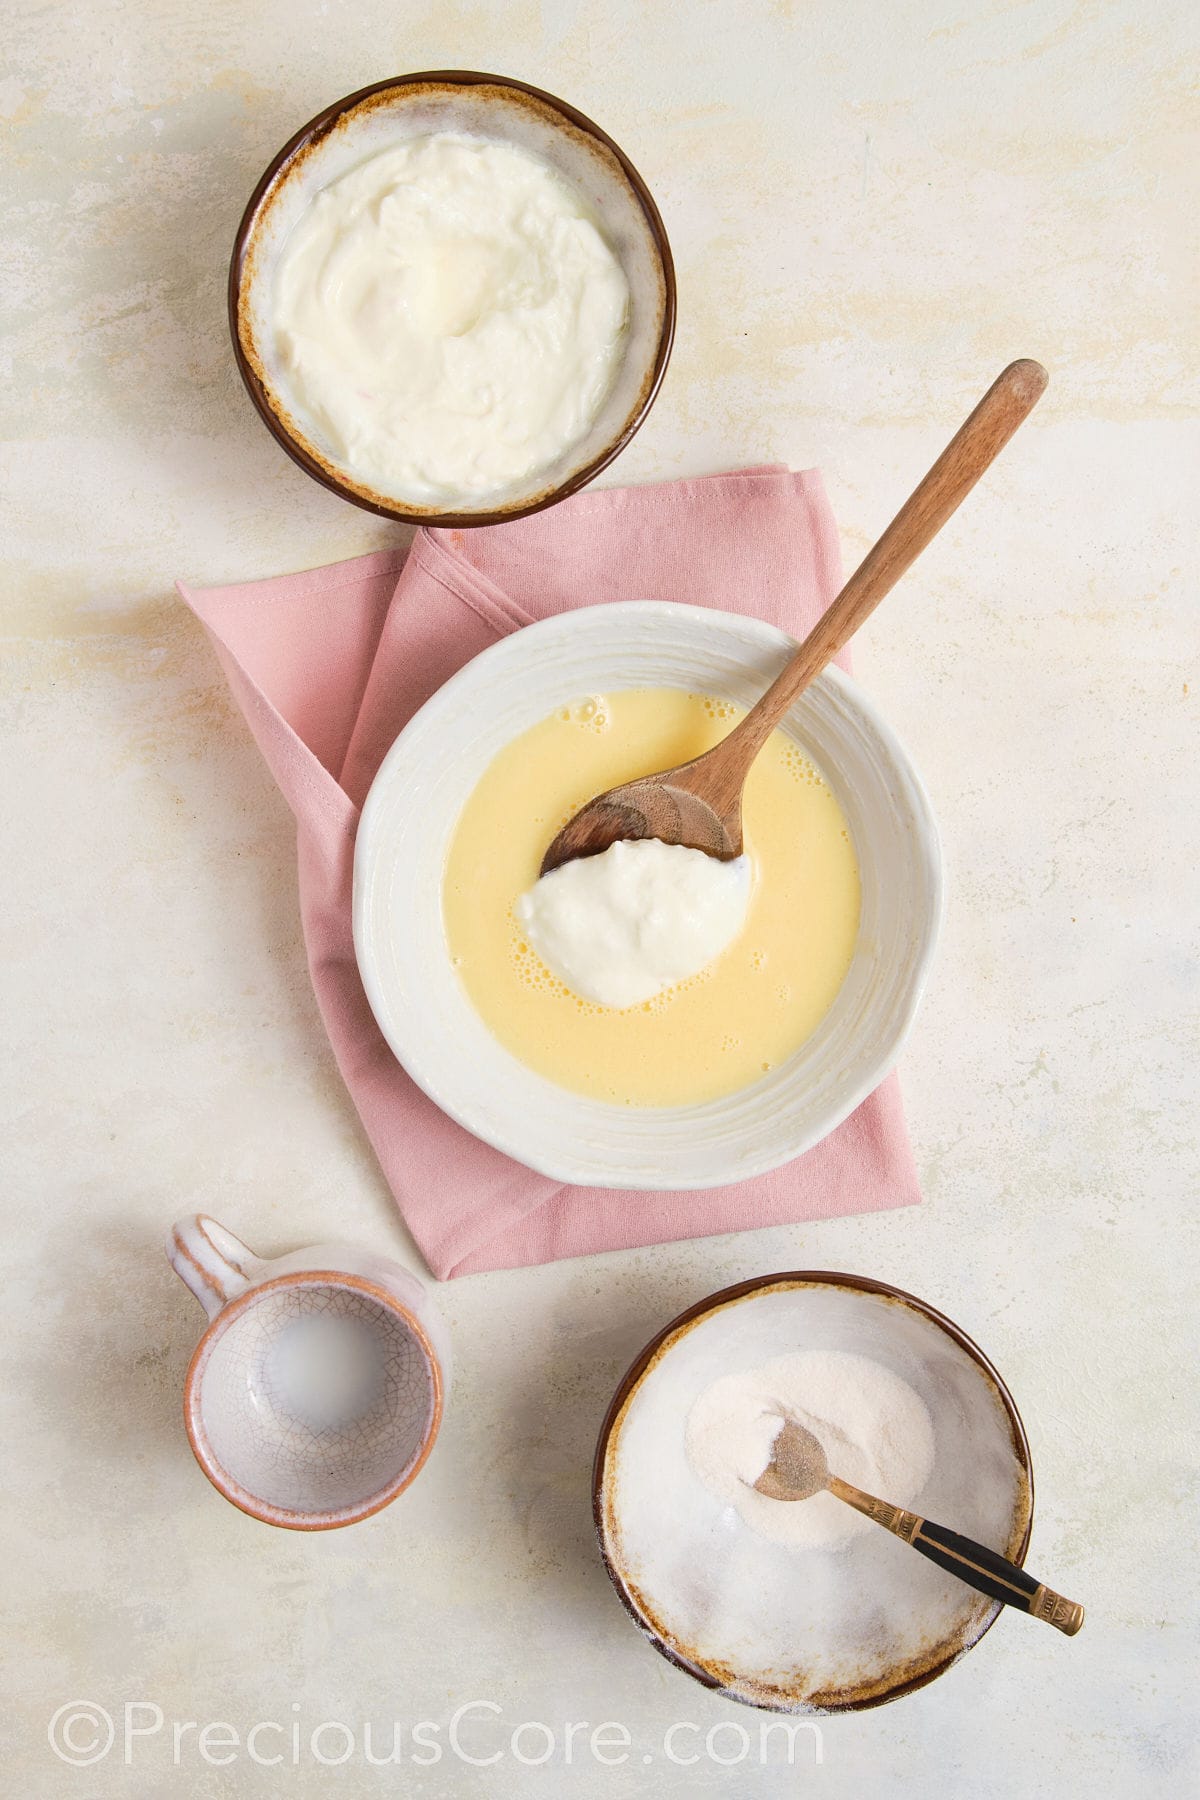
(621, 927)
(450, 316)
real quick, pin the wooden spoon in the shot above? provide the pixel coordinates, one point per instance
(700, 802)
(799, 1468)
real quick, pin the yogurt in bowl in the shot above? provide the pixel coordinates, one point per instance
(862, 1007)
(452, 315)
(452, 298)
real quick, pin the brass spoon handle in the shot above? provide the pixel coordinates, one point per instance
(976, 444)
(973, 1563)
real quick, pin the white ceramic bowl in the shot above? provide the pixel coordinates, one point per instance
(424, 1011)
(784, 1627)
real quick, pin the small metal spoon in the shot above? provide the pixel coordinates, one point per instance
(699, 803)
(799, 1468)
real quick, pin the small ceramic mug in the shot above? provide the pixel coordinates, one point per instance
(316, 1393)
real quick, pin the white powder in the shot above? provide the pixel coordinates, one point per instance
(875, 1431)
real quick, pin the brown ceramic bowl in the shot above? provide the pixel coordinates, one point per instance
(802, 1630)
(491, 106)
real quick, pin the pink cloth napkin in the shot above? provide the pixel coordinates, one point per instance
(328, 665)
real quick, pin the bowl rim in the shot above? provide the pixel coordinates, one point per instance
(739, 1290)
(927, 846)
(319, 127)
(223, 1479)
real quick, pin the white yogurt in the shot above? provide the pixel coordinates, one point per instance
(621, 927)
(450, 317)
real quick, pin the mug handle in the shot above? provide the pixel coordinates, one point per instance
(209, 1260)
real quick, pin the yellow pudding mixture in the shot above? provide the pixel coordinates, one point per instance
(744, 1013)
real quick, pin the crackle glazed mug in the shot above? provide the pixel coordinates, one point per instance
(316, 1392)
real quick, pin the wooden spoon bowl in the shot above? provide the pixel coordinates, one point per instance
(699, 803)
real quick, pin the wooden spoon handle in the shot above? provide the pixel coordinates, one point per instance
(983, 1569)
(1009, 400)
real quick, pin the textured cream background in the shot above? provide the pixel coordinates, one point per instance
(873, 208)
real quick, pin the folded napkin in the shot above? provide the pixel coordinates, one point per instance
(328, 665)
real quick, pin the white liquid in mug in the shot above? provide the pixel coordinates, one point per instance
(323, 1372)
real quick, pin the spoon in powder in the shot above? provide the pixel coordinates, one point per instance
(699, 803)
(799, 1468)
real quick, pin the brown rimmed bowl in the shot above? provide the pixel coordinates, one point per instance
(493, 106)
(801, 1630)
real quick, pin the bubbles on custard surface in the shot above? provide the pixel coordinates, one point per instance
(592, 713)
(716, 708)
(662, 1002)
(800, 768)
